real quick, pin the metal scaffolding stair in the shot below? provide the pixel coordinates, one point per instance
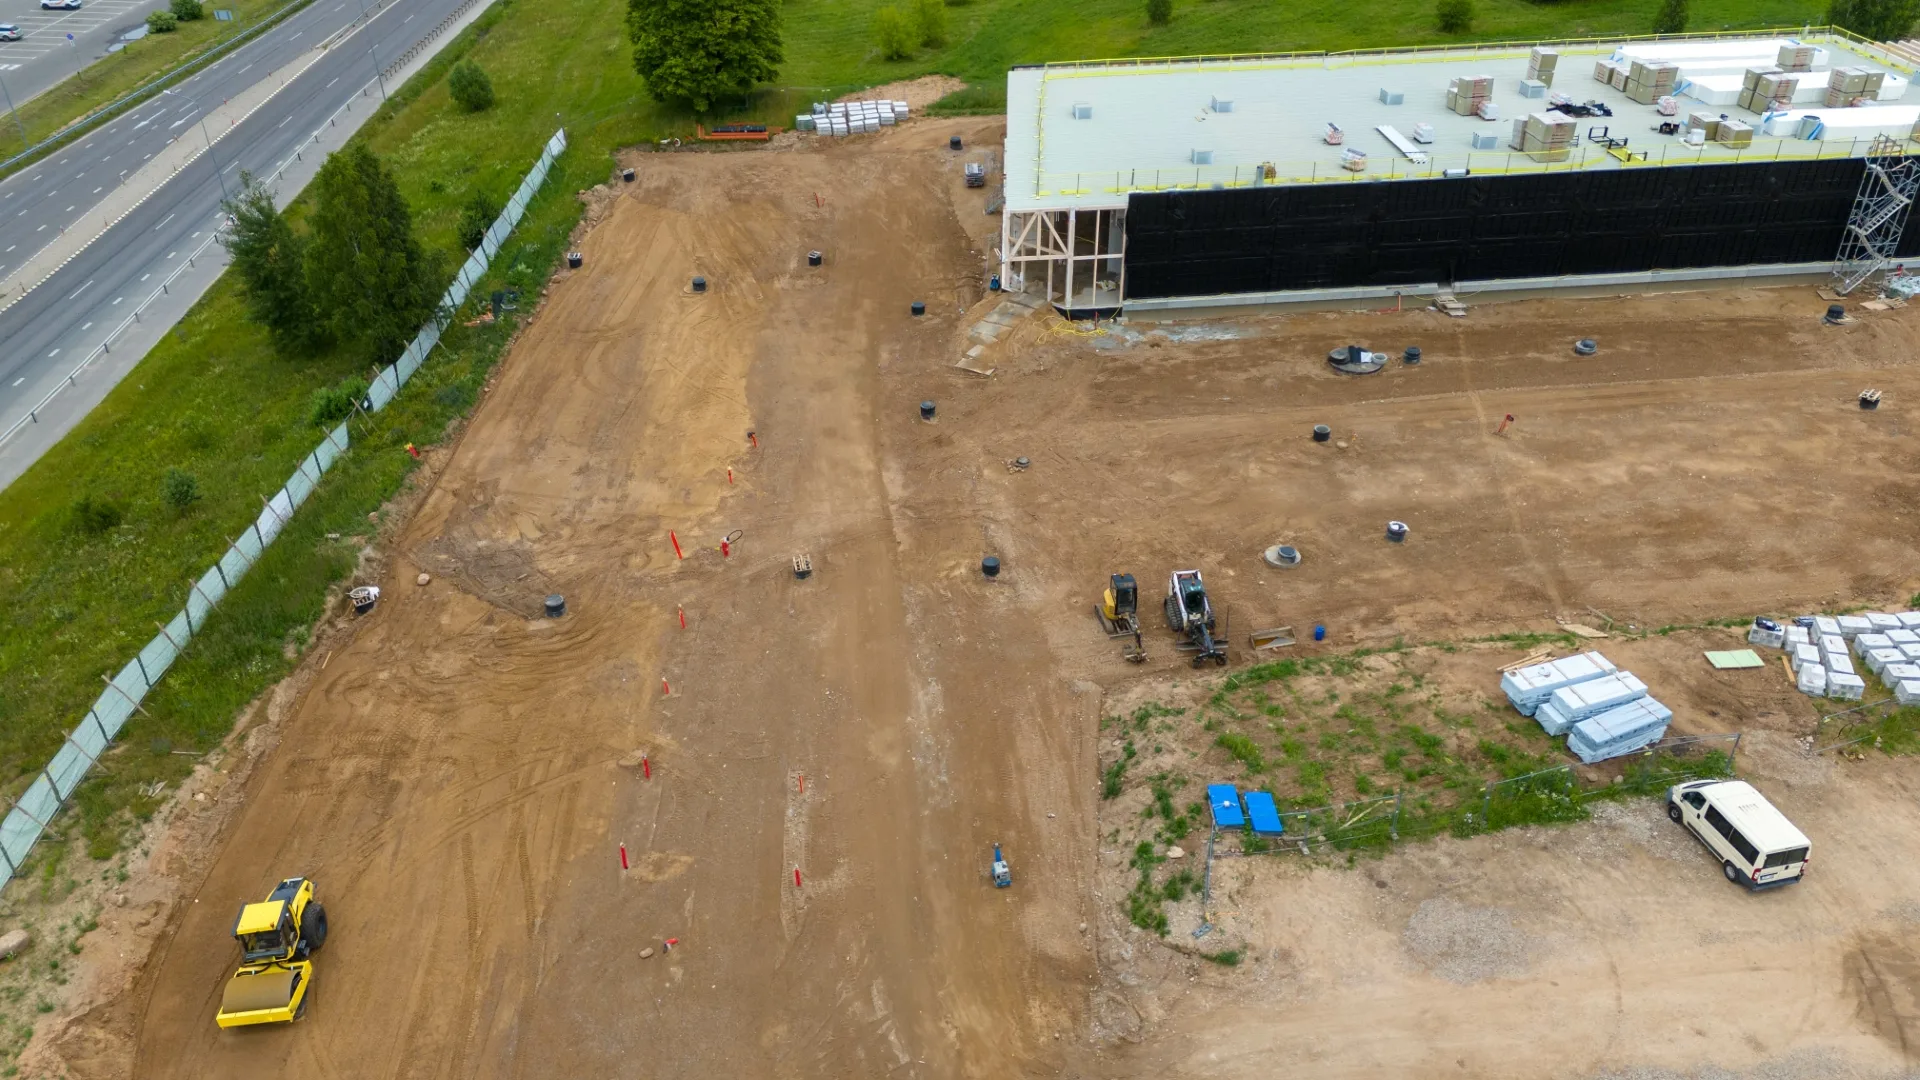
(1879, 215)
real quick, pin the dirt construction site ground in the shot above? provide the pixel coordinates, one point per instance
(458, 773)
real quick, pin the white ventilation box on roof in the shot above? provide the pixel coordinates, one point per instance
(1082, 111)
(1221, 104)
(1392, 97)
(1203, 157)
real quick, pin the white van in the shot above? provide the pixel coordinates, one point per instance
(1756, 845)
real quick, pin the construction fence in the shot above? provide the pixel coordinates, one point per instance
(34, 811)
(1550, 795)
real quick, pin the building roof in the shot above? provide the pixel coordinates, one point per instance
(1086, 134)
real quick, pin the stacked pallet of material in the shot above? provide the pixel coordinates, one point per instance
(1648, 82)
(1611, 72)
(1711, 89)
(1737, 134)
(1570, 705)
(1705, 121)
(1821, 650)
(1795, 58)
(1546, 136)
(1529, 687)
(1851, 86)
(1863, 122)
(1540, 65)
(1467, 93)
(1619, 730)
(856, 117)
(1767, 90)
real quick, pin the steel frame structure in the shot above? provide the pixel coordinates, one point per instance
(1879, 215)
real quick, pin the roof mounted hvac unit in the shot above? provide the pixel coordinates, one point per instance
(1221, 104)
(1082, 111)
(1203, 157)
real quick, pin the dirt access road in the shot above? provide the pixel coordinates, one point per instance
(452, 777)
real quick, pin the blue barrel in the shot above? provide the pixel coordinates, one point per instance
(1319, 632)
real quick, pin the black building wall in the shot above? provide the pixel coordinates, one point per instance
(1200, 243)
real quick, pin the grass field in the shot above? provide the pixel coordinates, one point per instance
(115, 74)
(216, 402)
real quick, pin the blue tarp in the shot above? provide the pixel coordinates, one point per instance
(1263, 814)
(1225, 802)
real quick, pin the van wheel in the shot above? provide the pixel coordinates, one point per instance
(1673, 810)
(1732, 874)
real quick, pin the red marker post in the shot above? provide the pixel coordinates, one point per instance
(664, 688)
(729, 474)
(646, 769)
(796, 877)
(1502, 429)
(676, 545)
(683, 616)
(623, 856)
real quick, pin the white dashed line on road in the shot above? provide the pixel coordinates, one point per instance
(163, 222)
(86, 326)
(82, 289)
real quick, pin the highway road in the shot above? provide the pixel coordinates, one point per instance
(46, 332)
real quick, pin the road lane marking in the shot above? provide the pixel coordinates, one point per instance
(329, 86)
(86, 326)
(144, 277)
(81, 289)
(171, 254)
(117, 299)
(98, 190)
(53, 354)
(19, 380)
(163, 222)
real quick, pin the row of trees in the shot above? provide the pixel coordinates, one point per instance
(1875, 20)
(357, 278)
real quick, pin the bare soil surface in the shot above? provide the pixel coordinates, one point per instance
(460, 777)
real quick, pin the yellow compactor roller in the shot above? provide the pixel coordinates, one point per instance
(278, 937)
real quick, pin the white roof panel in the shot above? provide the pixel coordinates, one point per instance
(1149, 116)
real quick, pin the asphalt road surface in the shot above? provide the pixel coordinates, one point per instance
(52, 327)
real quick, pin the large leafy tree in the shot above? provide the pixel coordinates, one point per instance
(271, 260)
(693, 51)
(369, 278)
(1875, 20)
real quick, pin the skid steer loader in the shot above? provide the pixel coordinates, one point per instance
(1190, 614)
(278, 937)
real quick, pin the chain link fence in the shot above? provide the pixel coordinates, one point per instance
(1558, 794)
(33, 812)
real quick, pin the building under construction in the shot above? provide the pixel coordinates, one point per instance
(1216, 181)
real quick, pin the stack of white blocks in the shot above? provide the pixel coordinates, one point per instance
(852, 117)
(1603, 711)
(1822, 655)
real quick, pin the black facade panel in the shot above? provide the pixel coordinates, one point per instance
(1405, 232)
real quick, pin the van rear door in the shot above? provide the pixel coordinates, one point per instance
(1779, 867)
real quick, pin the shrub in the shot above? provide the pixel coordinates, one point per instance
(1454, 16)
(470, 87)
(332, 404)
(187, 10)
(162, 22)
(1244, 749)
(94, 516)
(1159, 12)
(931, 15)
(892, 34)
(1671, 18)
(180, 488)
(476, 218)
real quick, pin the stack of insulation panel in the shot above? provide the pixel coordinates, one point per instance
(1620, 730)
(1649, 82)
(1540, 65)
(1467, 93)
(1822, 650)
(1529, 687)
(1570, 705)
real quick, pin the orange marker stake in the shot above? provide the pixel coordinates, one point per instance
(676, 545)
(664, 688)
(623, 856)
(796, 877)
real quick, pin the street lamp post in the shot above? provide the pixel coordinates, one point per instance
(218, 173)
(15, 112)
(371, 62)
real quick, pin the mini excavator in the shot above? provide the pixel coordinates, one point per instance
(1119, 613)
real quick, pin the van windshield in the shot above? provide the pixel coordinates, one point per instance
(1786, 858)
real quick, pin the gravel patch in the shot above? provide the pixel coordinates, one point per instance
(1638, 822)
(1466, 944)
(1904, 911)
(1812, 1064)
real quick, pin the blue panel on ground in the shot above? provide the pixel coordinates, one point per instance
(1263, 814)
(1225, 801)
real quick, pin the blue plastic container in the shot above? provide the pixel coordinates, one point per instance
(1319, 632)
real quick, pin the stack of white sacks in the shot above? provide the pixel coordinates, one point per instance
(1603, 711)
(1822, 650)
(851, 117)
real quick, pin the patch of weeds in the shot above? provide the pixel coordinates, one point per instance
(1529, 639)
(1179, 885)
(1111, 780)
(1225, 957)
(1243, 750)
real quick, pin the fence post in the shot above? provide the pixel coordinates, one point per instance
(1393, 826)
(1486, 806)
(1733, 759)
(100, 727)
